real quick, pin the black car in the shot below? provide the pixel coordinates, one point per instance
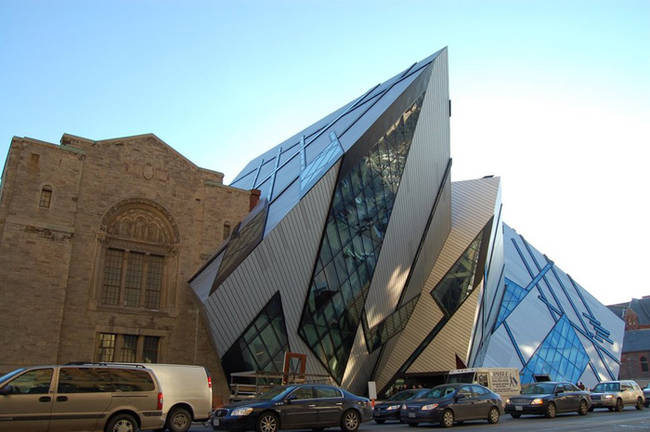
(548, 399)
(450, 403)
(646, 393)
(389, 409)
(303, 406)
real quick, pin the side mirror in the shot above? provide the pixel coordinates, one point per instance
(290, 398)
(8, 389)
(460, 396)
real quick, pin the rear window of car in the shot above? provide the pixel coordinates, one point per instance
(327, 392)
(127, 380)
(84, 380)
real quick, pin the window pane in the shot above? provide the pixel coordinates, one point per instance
(33, 382)
(133, 283)
(327, 392)
(154, 282)
(46, 198)
(112, 276)
(84, 380)
(150, 349)
(129, 348)
(126, 380)
(106, 351)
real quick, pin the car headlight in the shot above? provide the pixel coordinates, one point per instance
(240, 412)
(392, 408)
(537, 401)
(404, 407)
(429, 407)
(608, 396)
(507, 400)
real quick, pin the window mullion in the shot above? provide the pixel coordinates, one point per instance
(125, 263)
(144, 279)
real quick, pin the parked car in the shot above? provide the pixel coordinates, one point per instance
(302, 406)
(616, 394)
(450, 403)
(389, 409)
(69, 398)
(188, 394)
(548, 399)
(646, 395)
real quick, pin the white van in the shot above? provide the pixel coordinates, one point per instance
(188, 394)
(503, 381)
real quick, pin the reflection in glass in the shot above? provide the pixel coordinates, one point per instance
(511, 298)
(353, 235)
(262, 345)
(389, 327)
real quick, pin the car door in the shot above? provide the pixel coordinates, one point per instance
(299, 409)
(83, 394)
(464, 403)
(573, 396)
(330, 404)
(560, 398)
(27, 406)
(482, 404)
(627, 394)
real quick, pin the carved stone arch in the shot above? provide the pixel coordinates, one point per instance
(141, 220)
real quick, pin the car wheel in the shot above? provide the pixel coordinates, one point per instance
(583, 409)
(350, 421)
(610, 408)
(179, 420)
(550, 410)
(639, 404)
(447, 418)
(380, 421)
(122, 423)
(267, 422)
(493, 415)
(591, 409)
(619, 405)
(515, 415)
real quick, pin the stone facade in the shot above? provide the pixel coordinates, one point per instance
(62, 207)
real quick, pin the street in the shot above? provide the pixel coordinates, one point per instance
(599, 421)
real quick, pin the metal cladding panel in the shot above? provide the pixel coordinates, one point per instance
(453, 340)
(530, 322)
(360, 365)
(202, 283)
(424, 171)
(472, 206)
(588, 378)
(594, 359)
(515, 268)
(283, 262)
(500, 352)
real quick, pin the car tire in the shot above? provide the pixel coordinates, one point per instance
(610, 408)
(380, 421)
(493, 415)
(350, 421)
(447, 418)
(267, 422)
(515, 415)
(179, 420)
(619, 405)
(550, 410)
(122, 422)
(591, 409)
(583, 409)
(639, 404)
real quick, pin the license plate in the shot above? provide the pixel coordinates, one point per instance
(411, 415)
(519, 408)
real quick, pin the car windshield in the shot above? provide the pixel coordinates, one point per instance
(607, 387)
(440, 392)
(403, 395)
(5, 377)
(538, 388)
(276, 393)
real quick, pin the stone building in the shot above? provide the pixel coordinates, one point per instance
(636, 344)
(97, 242)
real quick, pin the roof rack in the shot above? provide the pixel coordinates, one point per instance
(105, 364)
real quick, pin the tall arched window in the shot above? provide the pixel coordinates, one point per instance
(46, 197)
(139, 239)
(644, 364)
(226, 230)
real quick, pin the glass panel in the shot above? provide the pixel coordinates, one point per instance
(106, 351)
(133, 282)
(112, 276)
(154, 282)
(267, 345)
(390, 326)
(129, 348)
(561, 355)
(512, 296)
(32, 382)
(354, 233)
(84, 380)
(150, 349)
(46, 198)
(126, 380)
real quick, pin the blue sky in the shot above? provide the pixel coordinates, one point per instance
(554, 97)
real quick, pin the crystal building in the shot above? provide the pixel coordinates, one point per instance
(362, 254)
